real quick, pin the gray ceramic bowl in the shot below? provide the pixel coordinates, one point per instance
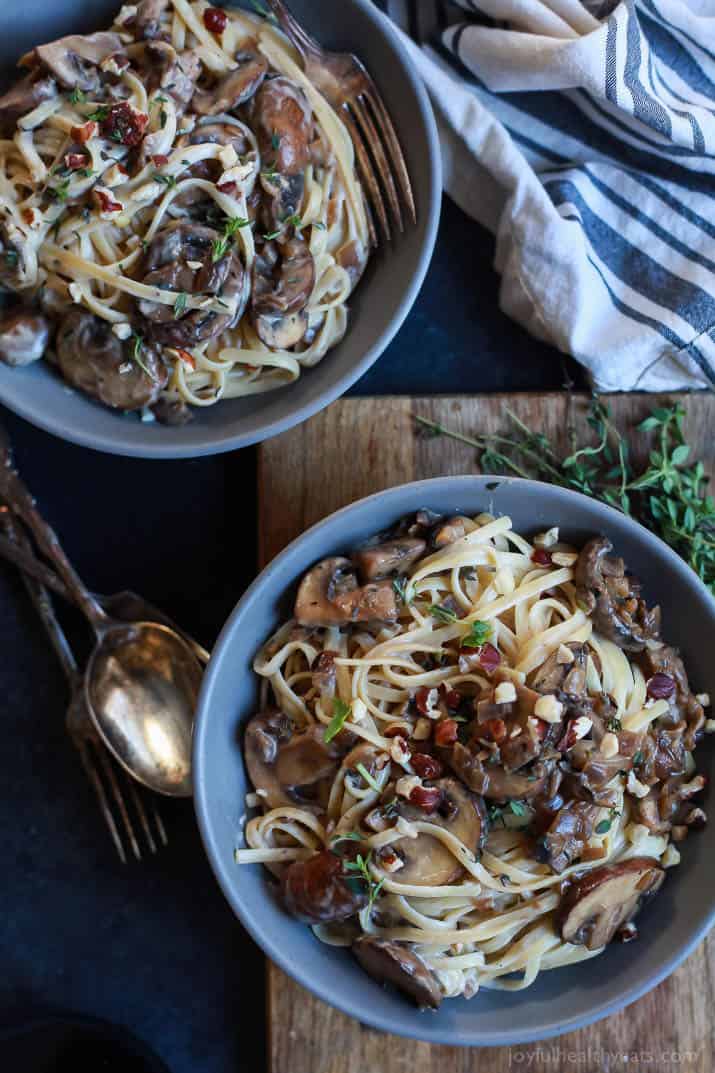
(562, 999)
(380, 304)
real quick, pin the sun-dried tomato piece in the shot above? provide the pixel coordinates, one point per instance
(215, 20)
(541, 556)
(124, 124)
(445, 733)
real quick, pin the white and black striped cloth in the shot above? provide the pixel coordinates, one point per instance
(583, 134)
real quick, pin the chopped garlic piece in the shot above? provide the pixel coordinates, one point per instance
(505, 693)
(609, 745)
(549, 709)
(75, 293)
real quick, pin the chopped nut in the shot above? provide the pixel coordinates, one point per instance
(564, 558)
(710, 726)
(422, 729)
(33, 218)
(635, 787)
(122, 330)
(671, 857)
(391, 862)
(547, 539)
(114, 176)
(505, 693)
(581, 726)
(703, 699)
(609, 745)
(195, 266)
(564, 655)
(549, 709)
(399, 751)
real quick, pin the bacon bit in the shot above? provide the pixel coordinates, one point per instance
(160, 159)
(215, 20)
(74, 161)
(452, 698)
(426, 766)
(124, 124)
(226, 188)
(425, 699)
(426, 797)
(106, 201)
(489, 658)
(660, 687)
(445, 733)
(84, 133)
(541, 556)
(495, 729)
(191, 360)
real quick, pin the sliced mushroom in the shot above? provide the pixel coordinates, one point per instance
(330, 596)
(318, 891)
(427, 862)
(74, 60)
(283, 280)
(283, 121)
(175, 73)
(172, 412)
(554, 676)
(491, 780)
(23, 97)
(288, 766)
(391, 962)
(169, 264)
(595, 906)
(567, 835)
(147, 21)
(282, 331)
(94, 360)
(282, 198)
(523, 742)
(23, 337)
(235, 88)
(449, 530)
(18, 261)
(684, 704)
(353, 257)
(381, 558)
(612, 599)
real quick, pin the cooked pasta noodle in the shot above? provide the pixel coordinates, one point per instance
(450, 705)
(95, 182)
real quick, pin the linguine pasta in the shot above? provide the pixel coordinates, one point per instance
(197, 197)
(451, 719)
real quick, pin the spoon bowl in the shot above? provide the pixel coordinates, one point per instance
(142, 685)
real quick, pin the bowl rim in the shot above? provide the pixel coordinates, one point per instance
(214, 442)
(367, 1012)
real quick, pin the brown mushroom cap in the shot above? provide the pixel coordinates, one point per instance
(426, 861)
(23, 97)
(24, 335)
(391, 962)
(73, 60)
(288, 766)
(595, 906)
(235, 88)
(283, 121)
(147, 21)
(329, 595)
(94, 360)
(381, 558)
(612, 599)
(317, 891)
(491, 780)
(555, 677)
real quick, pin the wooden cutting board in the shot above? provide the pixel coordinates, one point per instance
(354, 448)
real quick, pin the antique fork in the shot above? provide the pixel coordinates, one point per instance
(98, 764)
(344, 82)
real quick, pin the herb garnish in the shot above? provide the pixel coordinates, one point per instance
(347, 836)
(361, 866)
(442, 614)
(99, 115)
(220, 245)
(341, 711)
(668, 494)
(137, 356)
(362, 770)
(261, 9)
(402, 589)
(59, 193)
(180, 305)
(167, 180)
(604, 826)
(77, 96)
(11, 258)
(273, 234)
(614, 724)
(275, 141)
(479, 634)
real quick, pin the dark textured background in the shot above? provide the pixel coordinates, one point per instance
(153, 947)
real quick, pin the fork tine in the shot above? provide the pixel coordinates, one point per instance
(140, 811)
(382, 117)
(104, 808)
(370, 224)
(108, 768)
(383, 168)
(367, 172)
(159, 823)
(292, 29)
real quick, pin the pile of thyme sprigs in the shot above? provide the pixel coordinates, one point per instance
(668, 495)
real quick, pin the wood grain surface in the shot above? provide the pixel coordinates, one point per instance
(354, 448)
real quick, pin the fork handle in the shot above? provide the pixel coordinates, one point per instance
(41, 598)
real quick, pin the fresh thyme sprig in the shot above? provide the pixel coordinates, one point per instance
(668, 495)
(360, 868)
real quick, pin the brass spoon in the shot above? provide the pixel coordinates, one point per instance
(142, 679)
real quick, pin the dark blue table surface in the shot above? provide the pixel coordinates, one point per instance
(154, 947)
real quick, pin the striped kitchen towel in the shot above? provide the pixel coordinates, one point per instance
(583, 135)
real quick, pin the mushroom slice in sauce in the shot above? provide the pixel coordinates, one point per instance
(391, 962)
(23, 97)
(329, 595)
(286, 766)
(426, 861)
(169, 264)
(569, 832)
(612, 599)
(176, 73)
(24, 335)
(283, 280)
(449, 530)
(384, 558)
(235, 88)
(74, 60)
(318, 891)
(556, 677)
(595, 906)
(491, 780)
(147, 21)
(283, 120)
(94, 360)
